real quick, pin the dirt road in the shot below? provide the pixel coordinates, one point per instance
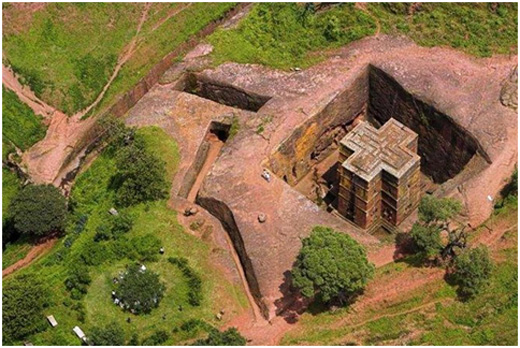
(34, 253)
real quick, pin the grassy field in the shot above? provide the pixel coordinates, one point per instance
(20, 126)
(287, 35)
(66, 52)
(93, 197)
(432, 314)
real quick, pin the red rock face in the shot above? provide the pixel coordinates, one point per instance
(302, 116)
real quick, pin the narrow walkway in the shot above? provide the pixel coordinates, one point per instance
(215, 145)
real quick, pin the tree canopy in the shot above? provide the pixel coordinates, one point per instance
(331, 265)
(108, 335)
(472, 269)
(38, 210)
(23, 301)
(434, 216)
(230, 337)
(140, 290)
(141, 175)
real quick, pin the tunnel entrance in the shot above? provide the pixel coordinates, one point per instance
(215, 138)
(222, 93)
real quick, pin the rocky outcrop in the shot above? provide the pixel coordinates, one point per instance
(509, 92)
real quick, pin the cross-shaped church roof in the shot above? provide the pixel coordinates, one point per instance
(390, 148)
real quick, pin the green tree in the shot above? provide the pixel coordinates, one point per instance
(140, 291)
(230, 337)
(141, 175)
(38, 210)
(426, 239)
(108, 335)
(435, 210)
(23, 301)
(472, 269)
(434, 218)
(331, 265)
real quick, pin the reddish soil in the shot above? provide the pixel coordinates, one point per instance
(215, 145)
(34, 253)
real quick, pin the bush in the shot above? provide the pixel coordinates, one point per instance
(115, 227)
(23, 301)
(230, 337)
(109, 335)
(145, 248)
(157, 338)
(472, 269)
(331, 265)
(140, 291)
(79, 278)
(194, 281)
(141, 175)
(38, 210)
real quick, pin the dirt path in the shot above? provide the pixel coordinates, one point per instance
(123, 58)
(27, 96)
(215, 145)
(34, 253)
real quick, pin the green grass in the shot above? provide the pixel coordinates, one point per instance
(158, 43)
(281, 35)
(476, 29)
(20, 126)
(285, 35)
(66, 52)
(91, 195)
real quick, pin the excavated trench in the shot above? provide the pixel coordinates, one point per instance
(215, 138)
(222, 93)
(444, 146)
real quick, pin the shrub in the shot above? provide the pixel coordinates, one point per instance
(194, 281)
(94, 254)
(79, 278)
(331, 265)
(146, 247)
(141, 175)
(157, 338)
(140, 291)
(472, 269)
(23, 301)
(230, 337)
(38, 210)
(109, 335)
